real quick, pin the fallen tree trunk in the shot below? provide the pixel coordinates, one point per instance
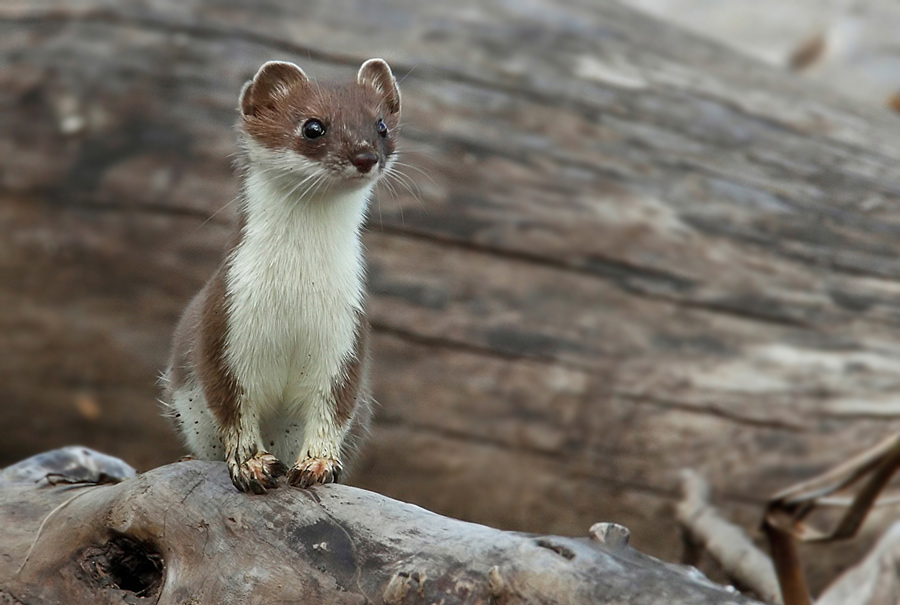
(637, 251)
(183, 534)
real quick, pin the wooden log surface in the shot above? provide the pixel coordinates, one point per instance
(182, 534)
(634, 251)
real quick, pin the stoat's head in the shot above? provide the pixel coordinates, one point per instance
(338, 136)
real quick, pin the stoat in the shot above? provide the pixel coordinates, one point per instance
(269, 361)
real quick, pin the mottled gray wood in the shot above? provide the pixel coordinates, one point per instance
(182, 534)
(634, 251)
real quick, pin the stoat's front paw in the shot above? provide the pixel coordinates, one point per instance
(256, 474)
(315, 470)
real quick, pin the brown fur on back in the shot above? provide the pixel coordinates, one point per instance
(349, 391)
(206, 320)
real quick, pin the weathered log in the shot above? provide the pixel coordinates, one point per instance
(636, 251)
(727, 544)
(183, 534)
(841, 46)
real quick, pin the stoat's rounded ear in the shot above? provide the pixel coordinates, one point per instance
(377, 74)
(273, 81)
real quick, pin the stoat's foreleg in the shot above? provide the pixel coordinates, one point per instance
(235, 417)
(251, 467)
(320, 458)
(327, 421)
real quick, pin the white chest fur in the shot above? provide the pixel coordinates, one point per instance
(295, 291)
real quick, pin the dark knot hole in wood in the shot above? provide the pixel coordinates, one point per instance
(126, 564)
(560, 550)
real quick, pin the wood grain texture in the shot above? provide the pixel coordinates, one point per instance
(634, 250)
(182, 534)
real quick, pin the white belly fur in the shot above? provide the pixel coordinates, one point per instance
(295, 293)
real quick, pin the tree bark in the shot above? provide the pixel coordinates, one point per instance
(183, 534)
(634, 251)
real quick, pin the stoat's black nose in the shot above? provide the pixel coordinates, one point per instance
(364, 161)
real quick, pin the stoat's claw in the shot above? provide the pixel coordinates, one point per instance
(315, 470)
(257, 474)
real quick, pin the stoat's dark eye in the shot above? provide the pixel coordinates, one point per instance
(313, 129)
(381, 127)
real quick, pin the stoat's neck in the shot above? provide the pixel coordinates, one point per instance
(294, 289)
(274, 203)
(289, 241)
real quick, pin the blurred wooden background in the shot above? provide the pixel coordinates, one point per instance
(634, 250)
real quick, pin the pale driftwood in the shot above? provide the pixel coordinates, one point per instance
(873, 581)
(183, 534)
(636, 252)
(726, 542)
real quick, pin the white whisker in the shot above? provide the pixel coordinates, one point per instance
(305, 195)
(312, 195)
(407, 182)
(409, 73)
(216, 213)
(416, 168)
(300, 184)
